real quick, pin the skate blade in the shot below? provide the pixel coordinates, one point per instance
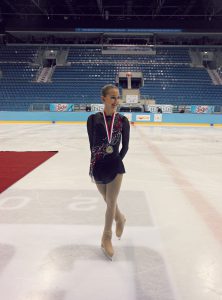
(108, 256)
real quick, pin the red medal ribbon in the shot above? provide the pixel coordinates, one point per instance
(109, 131)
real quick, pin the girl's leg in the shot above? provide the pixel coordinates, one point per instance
(113, 188)
(102, 189)
(112, 191)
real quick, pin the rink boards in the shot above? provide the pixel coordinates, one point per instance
(145, 119)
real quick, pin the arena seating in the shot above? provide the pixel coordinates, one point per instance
(168, 77)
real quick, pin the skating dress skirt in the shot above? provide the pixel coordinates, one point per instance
(105, 165)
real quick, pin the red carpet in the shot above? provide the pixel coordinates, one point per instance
(15, 165)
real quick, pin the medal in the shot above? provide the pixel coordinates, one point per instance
(109, 148)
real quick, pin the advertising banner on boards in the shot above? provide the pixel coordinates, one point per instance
(61, 107)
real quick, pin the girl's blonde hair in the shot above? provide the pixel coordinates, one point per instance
(106, 88)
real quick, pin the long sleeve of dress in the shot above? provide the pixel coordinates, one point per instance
(90, 130)
(125, 138)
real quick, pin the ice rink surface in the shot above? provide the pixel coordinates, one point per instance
(51, 220)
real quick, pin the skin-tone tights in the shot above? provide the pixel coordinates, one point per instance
(110, 193)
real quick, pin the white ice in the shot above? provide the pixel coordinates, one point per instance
(51, 220)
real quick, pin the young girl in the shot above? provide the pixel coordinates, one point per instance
(105, 131)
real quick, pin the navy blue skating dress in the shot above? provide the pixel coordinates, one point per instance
(105, 166)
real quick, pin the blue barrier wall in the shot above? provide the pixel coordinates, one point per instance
(157, 119)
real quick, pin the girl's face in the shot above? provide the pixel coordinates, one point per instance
(111, 100)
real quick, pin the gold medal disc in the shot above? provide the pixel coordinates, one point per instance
(109, 149)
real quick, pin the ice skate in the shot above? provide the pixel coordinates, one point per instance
(120, 226)
(106, 244)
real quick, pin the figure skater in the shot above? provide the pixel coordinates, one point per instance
(106, 130)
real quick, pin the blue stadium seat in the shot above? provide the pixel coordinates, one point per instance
(168, 77)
